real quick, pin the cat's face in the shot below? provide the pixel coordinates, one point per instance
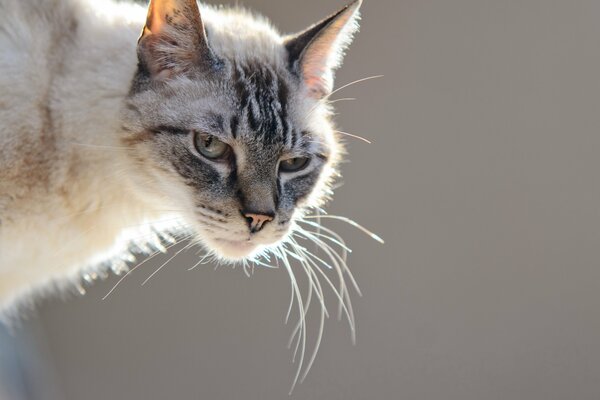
(233, 132)
(239, 153)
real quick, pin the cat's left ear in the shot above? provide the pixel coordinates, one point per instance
(173, 40)
(316, 52)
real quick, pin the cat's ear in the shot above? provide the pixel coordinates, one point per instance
(316, 52)
(173, 40)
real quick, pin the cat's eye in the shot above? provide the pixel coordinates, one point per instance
(211, 147)
(293, 164)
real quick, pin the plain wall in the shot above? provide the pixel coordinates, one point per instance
(482, 178)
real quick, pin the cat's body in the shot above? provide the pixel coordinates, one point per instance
(65, 71)
(85, 153)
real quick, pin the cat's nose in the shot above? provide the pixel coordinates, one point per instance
(257, 221)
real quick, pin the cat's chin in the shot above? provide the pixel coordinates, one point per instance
(234, 250)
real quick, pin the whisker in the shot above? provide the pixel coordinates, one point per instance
(350, 222)
(332, 239)
(186, 247)
(353, 83)
(257, 261)
(302, 337)
(342, 294)
(245, 267)
(341, 267)
(316, 283)
(342, 99)
(305, 251)
(354, 136)
(339, 240)
(302, 319)
(319, 292)
(325, 99)
(312, 285)
(335, 290)
(330, 251)
(199, 262)
(130, 271)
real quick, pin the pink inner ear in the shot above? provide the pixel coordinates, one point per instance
(173, 40)
(315, 79)
(152, 23)
(317, 63)
(162, 13)
(324, 53)
(155, 20)
(317, 66)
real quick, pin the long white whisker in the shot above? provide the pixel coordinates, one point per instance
(245, 268)
(302, 318)
(338, 293)
(166, 262)
(323, 314)
(334, 235)
(351, 222)
(353, 83)
(199, 262)
(334, 240)
(335, 251)
(332, 253)
(341, 99)
(354, 136)
(131, 270)
(298, 295)
(340, 268)
(257, 261)
(305, 251)
(314, 283)
(325, 99)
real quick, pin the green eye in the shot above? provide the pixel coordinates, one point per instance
(211, 147)
(293, 164)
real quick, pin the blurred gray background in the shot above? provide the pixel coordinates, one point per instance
(483, 179)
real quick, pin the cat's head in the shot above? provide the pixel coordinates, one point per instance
(228, 122)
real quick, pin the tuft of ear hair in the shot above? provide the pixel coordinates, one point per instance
(174, 40)
(316, 52)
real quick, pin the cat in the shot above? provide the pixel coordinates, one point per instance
(211, 125)
(216, 118)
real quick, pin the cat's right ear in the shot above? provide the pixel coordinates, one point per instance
(173, 40)
(317, 52)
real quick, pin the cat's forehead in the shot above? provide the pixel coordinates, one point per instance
(247, 101)
(263, 102)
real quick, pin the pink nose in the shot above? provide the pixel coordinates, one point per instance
(257, 221)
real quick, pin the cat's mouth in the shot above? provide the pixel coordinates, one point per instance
(238, 246)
